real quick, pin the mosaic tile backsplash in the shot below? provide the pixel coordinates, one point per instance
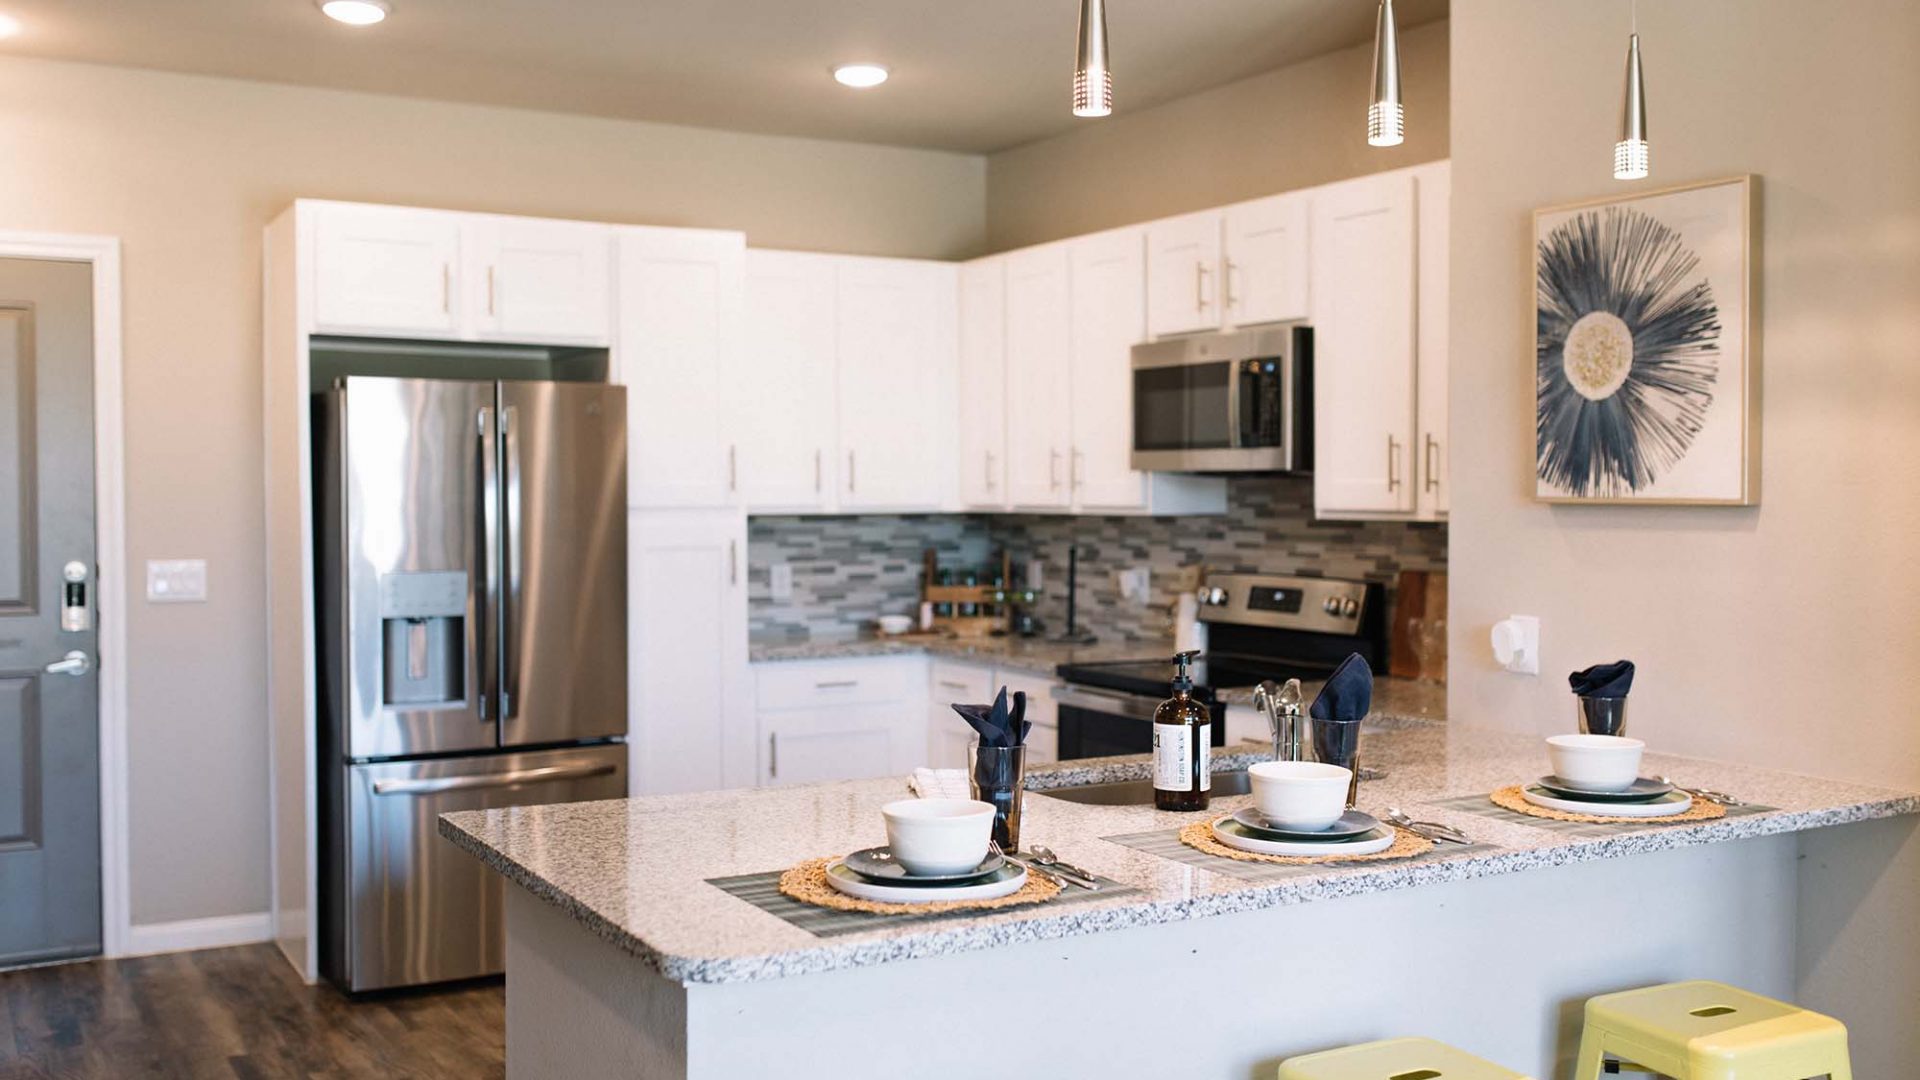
(847, 570)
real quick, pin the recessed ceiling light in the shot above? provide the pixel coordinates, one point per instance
(9, 26)
(356, 12)
(860, 76)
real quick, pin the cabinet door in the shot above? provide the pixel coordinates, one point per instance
(896, 331)
(1266, 261)
(783, 407)
(679, 309)
(852, 742)
(1043, 739)
(953, 684)
(1183, 262)
(1039, 379)
(386, 270)
(1108, 279)
(1363, 371)
(691, 693)
(983, 384)
(539, 281)
(1435, 201)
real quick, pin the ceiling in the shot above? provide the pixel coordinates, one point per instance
(969, 75)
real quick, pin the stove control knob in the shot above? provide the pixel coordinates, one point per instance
(1216, 596)
(1350, 607)
(1332, 606)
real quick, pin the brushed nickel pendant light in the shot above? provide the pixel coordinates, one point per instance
(1630, 156)
(1092, 79)
(1386, 119)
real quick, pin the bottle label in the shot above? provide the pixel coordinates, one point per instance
(1173, 757)
(1206, 758)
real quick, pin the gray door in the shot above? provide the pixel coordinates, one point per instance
(49, 733)
(563, 593)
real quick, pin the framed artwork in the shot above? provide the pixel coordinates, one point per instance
(1646, 374)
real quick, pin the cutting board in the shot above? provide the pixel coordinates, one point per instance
(1418, 594)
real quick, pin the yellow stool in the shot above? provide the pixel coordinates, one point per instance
(1710, 1031)
(1394, 1059)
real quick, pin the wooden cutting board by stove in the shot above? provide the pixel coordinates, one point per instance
(1418, 595)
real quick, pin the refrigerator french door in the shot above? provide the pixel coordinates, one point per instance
(472, 580)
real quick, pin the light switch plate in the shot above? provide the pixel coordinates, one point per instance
(176, 581)
(780, 581)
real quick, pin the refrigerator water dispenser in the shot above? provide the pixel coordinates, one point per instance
(423, 631)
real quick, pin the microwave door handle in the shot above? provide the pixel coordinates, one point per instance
(510, 568)
(1235, 437)
(486, 599)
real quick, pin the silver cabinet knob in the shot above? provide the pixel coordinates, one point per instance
(74, 663)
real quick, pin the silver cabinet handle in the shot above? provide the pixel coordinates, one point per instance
(733, 468)
(1199, 286)
(817, 470)
(773, 756)
(851, 487)
(74, 663)
(549, 774)
(733, 562)
(1232, 300)
(1053, 470)
(489, 290)
(1078, 474)
(1433, 478)
(836, 684)
(989, 463)
(953, 685)
(446, 288)
(1393, 463)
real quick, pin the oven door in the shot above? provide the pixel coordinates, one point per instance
(1108, 723)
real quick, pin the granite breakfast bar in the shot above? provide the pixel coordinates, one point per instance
(623, 959)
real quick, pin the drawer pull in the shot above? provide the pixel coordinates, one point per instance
(836, 684)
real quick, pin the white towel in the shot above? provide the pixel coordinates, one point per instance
(940, 784)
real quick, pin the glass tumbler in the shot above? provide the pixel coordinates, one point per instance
(996, 775)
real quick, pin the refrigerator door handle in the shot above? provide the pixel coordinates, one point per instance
(487, 607)
(546, 775)
(510, 560)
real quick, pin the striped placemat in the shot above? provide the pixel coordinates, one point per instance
(1166, 844)
(1481, 806)
(763, 892)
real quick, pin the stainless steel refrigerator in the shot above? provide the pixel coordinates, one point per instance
(472, 587)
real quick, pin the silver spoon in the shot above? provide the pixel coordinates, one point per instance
(1044, 855)
(1432, 830)
(1720, 797)
(994, 846)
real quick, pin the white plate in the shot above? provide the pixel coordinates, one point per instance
(1235, 835)
(1003, 882)
(1673, 802)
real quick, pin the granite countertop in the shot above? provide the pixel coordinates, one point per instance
(634, 871)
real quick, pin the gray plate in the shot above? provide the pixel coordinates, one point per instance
(1351, 825)
(878, 864)
(1642, 790)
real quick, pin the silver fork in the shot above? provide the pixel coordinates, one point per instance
(1708, 794)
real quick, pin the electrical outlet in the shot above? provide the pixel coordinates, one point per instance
(1135, 584)
(780, 581)
(176, 581)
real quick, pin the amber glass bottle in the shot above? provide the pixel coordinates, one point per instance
(1182, 746)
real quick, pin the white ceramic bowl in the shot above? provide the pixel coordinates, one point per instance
(938, 836)
(895, 624)
(1599, 762)
(1304, 795)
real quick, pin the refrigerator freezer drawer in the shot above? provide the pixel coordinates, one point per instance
(411, 908)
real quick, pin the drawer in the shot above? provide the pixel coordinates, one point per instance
(963, 684)
(812, 684)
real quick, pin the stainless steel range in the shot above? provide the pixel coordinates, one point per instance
(1259, 626)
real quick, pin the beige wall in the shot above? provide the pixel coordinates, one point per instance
(186, 171)
(1291, 128)
(1787, 634)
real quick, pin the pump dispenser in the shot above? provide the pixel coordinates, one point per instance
(1182, 745)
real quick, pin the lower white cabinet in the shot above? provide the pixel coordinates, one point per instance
(840, 719)
(689, 690)
(954, 681)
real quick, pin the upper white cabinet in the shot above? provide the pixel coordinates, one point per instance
(897, 337)
(1108, 318)
(679, 317)
(386, 270)
(534, 280)
(983, 384)
(1183, 272)
(1266, 273)
(1435, 193)
(1039, 379)
(395, 271)
(783, 408)
(1364, 274)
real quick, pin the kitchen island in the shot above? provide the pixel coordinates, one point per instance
(623, 957)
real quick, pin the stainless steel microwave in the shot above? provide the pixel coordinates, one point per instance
(1232, 402)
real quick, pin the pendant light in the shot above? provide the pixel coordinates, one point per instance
(1630, 156)
(1092, 79)
(1386, 119)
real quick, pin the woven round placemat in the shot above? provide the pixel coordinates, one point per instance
(1199, 836)
(1509, 798)
(807, 883)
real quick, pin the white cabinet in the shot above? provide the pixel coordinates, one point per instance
(1434, 188)
(679, 314)
(1107, 315)
(983, 384)
(1266, 272)
(690, 692)
(534, 280)
(840, 719)
(1043, 739)
(896, 322)
(1039, 379)
(782, 406)
(950, 684)
(1183, 268)
(386, 270)
(1364, 308)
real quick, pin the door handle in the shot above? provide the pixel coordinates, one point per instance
(1077, 475)
(1053, 470)
(733, 468)
(733, 562)
(510, 563)
(1393, 463)
(549, 774)
(851, 486)
(1232, 300)
(1433, 478)
(989, 465)
(1199, 286)
(74, 663)
(489, 291)
(487, 606)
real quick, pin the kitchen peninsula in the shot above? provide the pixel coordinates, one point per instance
(624, 958)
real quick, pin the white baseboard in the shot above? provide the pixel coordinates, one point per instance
(219, 931)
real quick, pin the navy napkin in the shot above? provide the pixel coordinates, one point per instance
(1603, 680)
(1348, 693)
(999, 724)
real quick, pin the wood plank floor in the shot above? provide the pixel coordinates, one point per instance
(237, 1013)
